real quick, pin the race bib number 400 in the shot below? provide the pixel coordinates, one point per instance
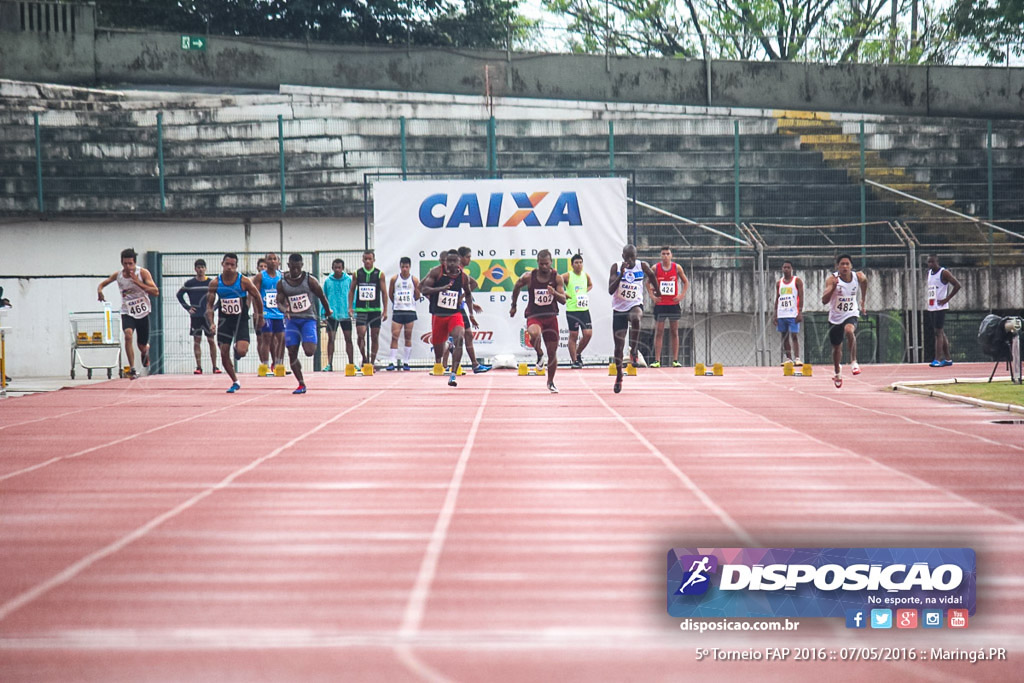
(448, 299)
(231, 306)
(138, 308)
(367, 292)
(630, 291)
(298, 302)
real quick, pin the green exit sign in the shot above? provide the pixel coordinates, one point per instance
(193, 43)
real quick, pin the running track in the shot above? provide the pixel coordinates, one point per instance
(390, 528)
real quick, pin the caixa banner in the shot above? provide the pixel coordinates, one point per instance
(504, 223)
(817, 582)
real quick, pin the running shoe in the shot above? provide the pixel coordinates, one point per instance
(618, 384)
(480, 367)
(405, 367)
(655, 364)
(552, 388)
(197, 371)
(390, 367)
(676, 364)
(300, 390)
(133, 375)
(216, 371)
(539, 367)
(452, 382)
(234, 387)
(634, 358)
(936, 363)
(577, 364)
(797, 361)
(837, 380)
(785, 360)
(855, 368)
(328, 368)
(946, 363)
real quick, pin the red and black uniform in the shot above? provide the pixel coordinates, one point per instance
(446, 305)
(542, 307)
(666, 307)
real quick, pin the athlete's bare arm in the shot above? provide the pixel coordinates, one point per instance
(99, 290)
(383, 300)
(830, 287)
(318, 291)
(257, 301)
(863, 280)
(649, 279)
(775, 309)
(391, 288)
(146, 282)
(616, 277)
(283, 304)
(211, 302)
(523, 281)
(467, 288)
(799, 300)
(427, 286)
(416, 288)
(684, 281)
(558, 291)
(947, 278)
(590, 283)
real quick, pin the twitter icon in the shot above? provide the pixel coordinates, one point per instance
(881, 618)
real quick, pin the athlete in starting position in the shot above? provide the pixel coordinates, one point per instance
(546, 291)
(136, 285)
(626, 284)
(845, 292)
(447, 288)
(295, 293)
(234, 291)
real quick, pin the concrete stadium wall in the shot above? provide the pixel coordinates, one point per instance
(49, 269)
(137, 57)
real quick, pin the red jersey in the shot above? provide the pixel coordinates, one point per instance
(667, 284)
(541, 303)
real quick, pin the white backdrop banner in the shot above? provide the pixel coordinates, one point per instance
(505, 223)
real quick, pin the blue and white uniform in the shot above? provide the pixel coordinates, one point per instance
(273, 318)
(233, 325)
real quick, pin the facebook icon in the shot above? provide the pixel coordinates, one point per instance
(856, 618)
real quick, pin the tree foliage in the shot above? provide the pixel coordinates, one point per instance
(464, 23)
(997, 25)
(834, 31)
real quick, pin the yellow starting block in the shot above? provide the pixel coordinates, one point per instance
(629, 370)
(367, 369)
(83, 338)
(350, 370)
(263, 370)
(526, 369)
(701, 370)
(438, 371)
(280, 370)
(97, 337)
(789, 370)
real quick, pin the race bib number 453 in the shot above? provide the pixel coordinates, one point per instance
(629, 291)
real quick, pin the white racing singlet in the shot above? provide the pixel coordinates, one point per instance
(937, 291)
(405, 299)
(134, 299)
(845, 299)
(788, 299)
(630, 293)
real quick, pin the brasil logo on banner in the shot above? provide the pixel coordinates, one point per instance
(817, 582)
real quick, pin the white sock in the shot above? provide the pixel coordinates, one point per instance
(407, 354)
(394, 355)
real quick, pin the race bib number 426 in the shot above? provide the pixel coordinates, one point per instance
(367, 292)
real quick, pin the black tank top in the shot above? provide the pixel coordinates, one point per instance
(447, 301)
(541, 304)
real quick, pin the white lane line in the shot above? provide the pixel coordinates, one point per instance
(905, 475)
(413, 616)
(45, 463)
(72, 571)
(704, 498)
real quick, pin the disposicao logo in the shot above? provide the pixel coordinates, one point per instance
(529, 208)
(817, 582)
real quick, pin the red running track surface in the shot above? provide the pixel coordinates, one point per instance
(391, 528)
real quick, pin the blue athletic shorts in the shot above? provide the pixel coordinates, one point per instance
(788, 325)
(300, 329)
(272, 325)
